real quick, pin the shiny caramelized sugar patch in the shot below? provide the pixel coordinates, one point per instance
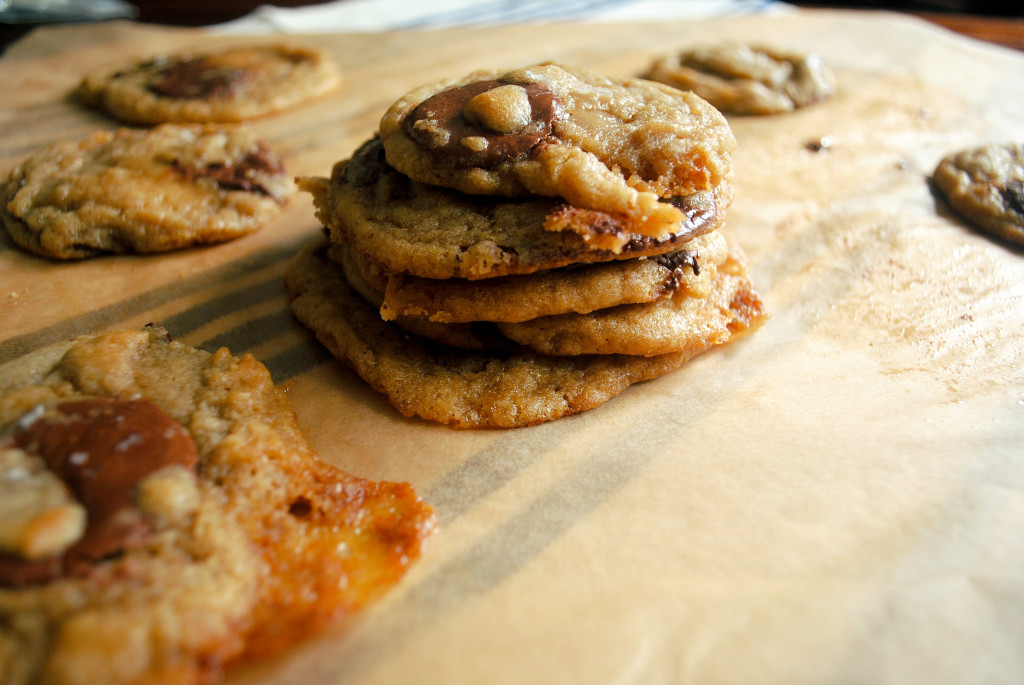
(162, 517)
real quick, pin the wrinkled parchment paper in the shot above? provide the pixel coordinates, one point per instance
(838, 498)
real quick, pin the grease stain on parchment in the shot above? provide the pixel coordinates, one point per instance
(849, 244)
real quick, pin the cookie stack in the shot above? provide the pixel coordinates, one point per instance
(516, 247)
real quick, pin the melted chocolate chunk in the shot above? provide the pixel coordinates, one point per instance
(197, 78)
(676, 261)
(18, 572)
(1013, 195)
(243, 175)
(101, 448)
(444, 111)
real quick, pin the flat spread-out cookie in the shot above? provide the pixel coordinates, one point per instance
(576, 288)
(745, 79)
(143, 191)
(172, 520)
(433, 232)
(681, 323)
(453, 386)
(229, 85)
(626, 147)
(985, 186)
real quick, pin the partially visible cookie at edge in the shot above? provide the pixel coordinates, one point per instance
(227, 85)
(985, 186)
(213, 532)
(745, 79)
(166, 188)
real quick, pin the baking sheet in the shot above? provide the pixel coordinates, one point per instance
(838, 498)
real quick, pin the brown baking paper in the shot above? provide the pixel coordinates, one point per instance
(838, 498)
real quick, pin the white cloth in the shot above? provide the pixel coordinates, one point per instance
(385, 15)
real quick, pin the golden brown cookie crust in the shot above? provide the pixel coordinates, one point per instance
(431, 232)
(231, 85)
(985, 186)
(251, 551)
(617, 145)
(143, 191)
(456, 387)
(684, 322)
(580, 289)
(746, 79)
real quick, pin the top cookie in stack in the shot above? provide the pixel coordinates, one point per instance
(517, 247)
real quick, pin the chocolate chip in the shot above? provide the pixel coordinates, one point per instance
(440, 124)
(197, 78)
(101, 448)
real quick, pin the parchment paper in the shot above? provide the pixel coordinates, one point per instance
(838, 498)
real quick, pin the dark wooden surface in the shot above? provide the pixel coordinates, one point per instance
(1008, 31)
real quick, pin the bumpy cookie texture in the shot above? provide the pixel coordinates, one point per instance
(744, 79)
(212, 532)
(580, 288)
(626, 147)
(143, 191)
(456, 387)
(230, 85)
(419, 229)
(684, 322)
(985, 185)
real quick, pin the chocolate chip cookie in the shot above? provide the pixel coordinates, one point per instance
(629, 148)
(744, 79)
(434, 232)
(683, 322)
(229, 85)
(167, 518)
(985, 186)
(454, 386)
(468, 275)
(143, 191)
(573, 289)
